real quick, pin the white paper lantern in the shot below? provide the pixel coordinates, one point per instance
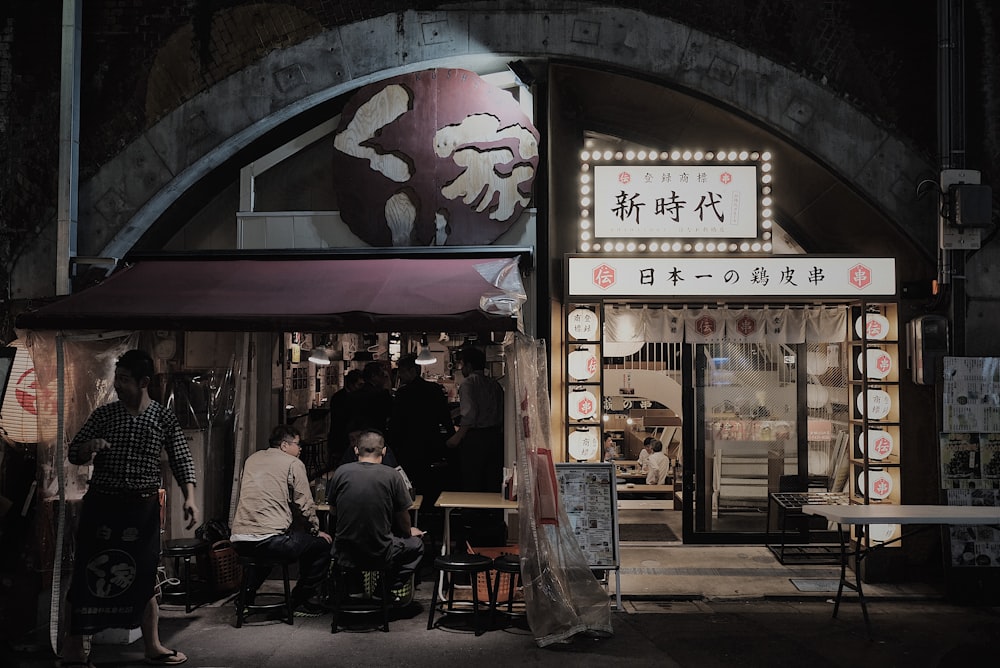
(582, 364)
(881, 532)
(817, 396)
(582, 405)
(19, 413)
(582, 324)
(879, 363)
(880, 443)
(816, 363)
(877, 325)
(879, 404)
(583, 445)
(879, 484)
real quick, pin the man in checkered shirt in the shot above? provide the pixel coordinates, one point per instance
(118, 539)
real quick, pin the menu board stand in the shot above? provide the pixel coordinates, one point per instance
(590, 498)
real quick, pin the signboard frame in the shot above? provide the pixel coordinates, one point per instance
(589, 495)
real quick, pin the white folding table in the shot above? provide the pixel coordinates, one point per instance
(884, 513)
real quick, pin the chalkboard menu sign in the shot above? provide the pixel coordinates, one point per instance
(590, 498)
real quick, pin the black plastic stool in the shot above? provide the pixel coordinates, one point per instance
(250, 564)
(451, 566)
(184, 548)
(511, 565)
(364, 601)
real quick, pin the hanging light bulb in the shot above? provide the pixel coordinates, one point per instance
(425, 356)
(319, 356)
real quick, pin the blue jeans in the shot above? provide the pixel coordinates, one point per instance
(312, 553)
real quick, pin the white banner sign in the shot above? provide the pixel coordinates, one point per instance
(675, 201)
(763, 277)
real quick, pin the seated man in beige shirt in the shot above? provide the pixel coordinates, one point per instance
(274, 499)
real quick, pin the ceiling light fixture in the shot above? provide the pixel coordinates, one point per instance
(426, 356)
(319, 356)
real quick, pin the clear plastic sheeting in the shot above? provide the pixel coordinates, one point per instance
(562, 597)
(504, 275)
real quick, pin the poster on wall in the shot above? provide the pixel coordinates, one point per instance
(960, 461)
(971, 394)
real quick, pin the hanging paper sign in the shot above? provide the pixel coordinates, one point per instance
(879, 404)
(582, 405)
(879, 363)
(582, 364)
(582, 324)
(877, 326)
(583, 445)
(880, 443)
(879, 484)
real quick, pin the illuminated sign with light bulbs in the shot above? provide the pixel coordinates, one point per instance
(677, 201)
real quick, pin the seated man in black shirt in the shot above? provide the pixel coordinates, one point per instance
(373, 514)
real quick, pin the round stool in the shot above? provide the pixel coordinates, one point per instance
(243, 608)
(452, 567)
(184, 548)
(372, 594)
(509, 565)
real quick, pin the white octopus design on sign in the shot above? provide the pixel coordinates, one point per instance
(433, 158)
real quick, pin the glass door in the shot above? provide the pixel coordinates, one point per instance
(744, 437)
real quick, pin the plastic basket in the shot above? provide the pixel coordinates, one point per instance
(481, 587)
(226, 570)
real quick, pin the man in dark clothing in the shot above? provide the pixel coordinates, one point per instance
(373, 514)
(480, 431)
(420, 423)
(369, 407)
(338, 442)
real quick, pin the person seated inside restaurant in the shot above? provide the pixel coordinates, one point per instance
(610, 450)
(644, 453)
(276, 519)
(373, 529)
(658, 465)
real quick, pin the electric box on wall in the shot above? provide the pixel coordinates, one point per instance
(927, 344)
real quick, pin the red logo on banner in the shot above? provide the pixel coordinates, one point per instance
(726, 178)
(705, 325)
(860, 276)
(624, 178)
(604, 276)
(746, 325)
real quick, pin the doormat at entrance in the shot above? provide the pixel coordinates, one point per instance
(646, 533)
(815, 585)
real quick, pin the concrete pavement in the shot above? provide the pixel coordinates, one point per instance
(706, 611)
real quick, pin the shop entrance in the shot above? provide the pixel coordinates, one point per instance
(740, 419)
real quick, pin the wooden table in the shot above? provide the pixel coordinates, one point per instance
(658, 490)
(325, 509)
(885, 513)
(473, 501)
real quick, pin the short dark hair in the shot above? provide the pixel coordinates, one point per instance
(137, 362)
(280, 433)
(408, 361)
(475, 358)
(373, 370)
(353, 377)
(657, 445)
(369, 442)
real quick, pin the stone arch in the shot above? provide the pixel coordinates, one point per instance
(132, 191)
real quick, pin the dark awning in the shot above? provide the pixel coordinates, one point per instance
(301, 292)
